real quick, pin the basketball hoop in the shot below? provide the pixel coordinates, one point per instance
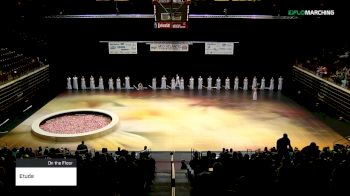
(171, 14)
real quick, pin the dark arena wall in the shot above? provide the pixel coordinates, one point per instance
(266, 46)
(75, 47)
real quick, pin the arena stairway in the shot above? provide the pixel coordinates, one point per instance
(162, 182)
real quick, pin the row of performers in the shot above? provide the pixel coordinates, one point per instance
(176, 83)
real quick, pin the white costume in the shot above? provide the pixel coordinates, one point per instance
(255, 94)
(227, 83)
(163, 85)
(200, 83)
(254, 82)
(92, 83)
(75, 83)
(140, 87)
(218, 83)
(280, 82)
(191, 83)
(69, 83)
(245, 84)
(262, 85)
(272, 84)
(182, 84)
(100, 83)
(110, 84)
(118, 84)
(236, 83)
(127, 82)
(173, 84)
(83, 83)
(177, 81)
(209, 82)
(344, 83)
(154, 84)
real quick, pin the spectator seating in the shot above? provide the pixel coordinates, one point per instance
(307, 171)
(112, 173)
(331, 64)
(14, 64)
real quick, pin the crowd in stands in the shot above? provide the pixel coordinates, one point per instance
(309, 171)
(14, 64)
(330, 64)
(104, 172)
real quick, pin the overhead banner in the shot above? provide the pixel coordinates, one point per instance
(170, 25)
(219, 48)
(169, 47)
(122, 47)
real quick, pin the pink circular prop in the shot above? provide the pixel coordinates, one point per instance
(74, 125)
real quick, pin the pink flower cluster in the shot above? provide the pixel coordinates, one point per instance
(77, 123)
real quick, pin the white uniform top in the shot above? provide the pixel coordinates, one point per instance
(83, 83)
(262, 85)
(92, 83)
(127, 82)
(182, 84)
(173, 85)
(255, 94)
(227, 83)
(75, 83)
(236, 83)
(245, 84)
(218, 84)
(163, 85)
(177, 81)
(69, 83)
(200, 83)
(118, 84)
(191, 83)
(254, 82)
(280, 83)
(272, 84)
(100, 83)
(209, 81)
(110, 84)
(154, 84)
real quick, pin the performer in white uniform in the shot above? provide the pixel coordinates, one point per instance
(83, 83)
(182, 84)
(69, 83)
(75, 83)
(92, 83)
(154, 83)
(191, 83)
(100, 83)
(245, 84)
(255, 94)
(140, 87)
(272, 84)
(127, 82)
(218, 83)
(177, 81)
(235, 87)
(118, 84)
(254, 82)
(227, 83)
(173, 84)
(280, 83)
(163, 85)
(200, 83)
(209, 83)
(110, 84)
(262, 85)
